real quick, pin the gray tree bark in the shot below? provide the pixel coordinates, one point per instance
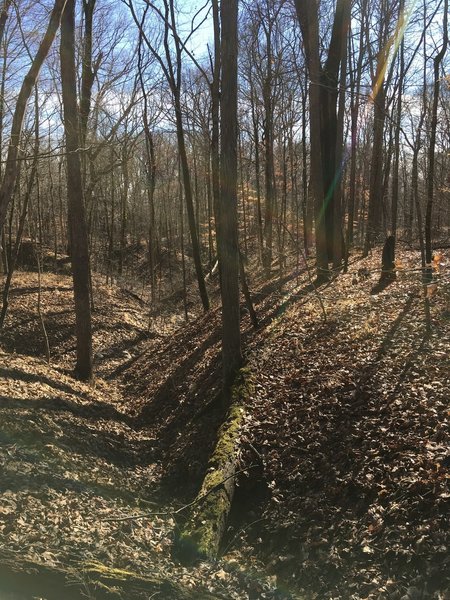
(77, 214)
(227, 226)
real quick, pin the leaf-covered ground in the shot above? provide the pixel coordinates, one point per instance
(346, 443)
(351, 419)
(74, 460)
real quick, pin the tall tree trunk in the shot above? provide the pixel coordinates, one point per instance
(396, 168)
(432, 147)
(380, 83)
(338, 238)
(269, 163)
(227, 231)
(376, 172)
(308, 18)
(150, 177)
(190, 204)
(77, 215)
(123, 207)
(323, 96)
(88, 69)
(331, 138)
(255, 124)
(307, 209)
(215, 111)
(355, 86)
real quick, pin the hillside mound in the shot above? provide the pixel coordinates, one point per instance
(343, 484)
(345, 451)
(74, 466)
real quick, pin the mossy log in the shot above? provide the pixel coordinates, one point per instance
(22, 579)
(203, 530)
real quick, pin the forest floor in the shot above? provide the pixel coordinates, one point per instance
(343, 490)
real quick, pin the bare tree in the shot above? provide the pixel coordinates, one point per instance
(77, 215)
(10, 175)
(4, 17)
(380, 81)
(432, 145)
(355, 74)
(323, 93)
(172, 69)
(227, 225)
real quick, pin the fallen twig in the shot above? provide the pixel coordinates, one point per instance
(167, 513)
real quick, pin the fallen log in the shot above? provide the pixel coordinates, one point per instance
(21, 579)
(201, 534)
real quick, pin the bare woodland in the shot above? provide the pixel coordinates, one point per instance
(206, 172)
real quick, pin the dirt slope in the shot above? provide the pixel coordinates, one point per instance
(351, 421)
(348, 431)
(346, 493)
(72, 461)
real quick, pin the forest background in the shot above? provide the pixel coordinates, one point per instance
(161, 154)
(343, 113)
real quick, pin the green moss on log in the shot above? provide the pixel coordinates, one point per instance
(202, 533)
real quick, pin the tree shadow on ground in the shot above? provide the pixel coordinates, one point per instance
(371, 368)
(293, 298)
(164, 399)
(342, 437)
(33, 429)
(30, 343)
(274, 286)
(190, 406)
(344, 441)
(409, 364)
(198, 418)
(18, 374)
(24, 291)
(93, 411)
(124, 345)
(35, 319)
(37, 483)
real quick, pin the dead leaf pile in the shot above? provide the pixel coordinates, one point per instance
(348, 428)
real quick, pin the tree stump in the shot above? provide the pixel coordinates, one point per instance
(27, 256)
(388, 274)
